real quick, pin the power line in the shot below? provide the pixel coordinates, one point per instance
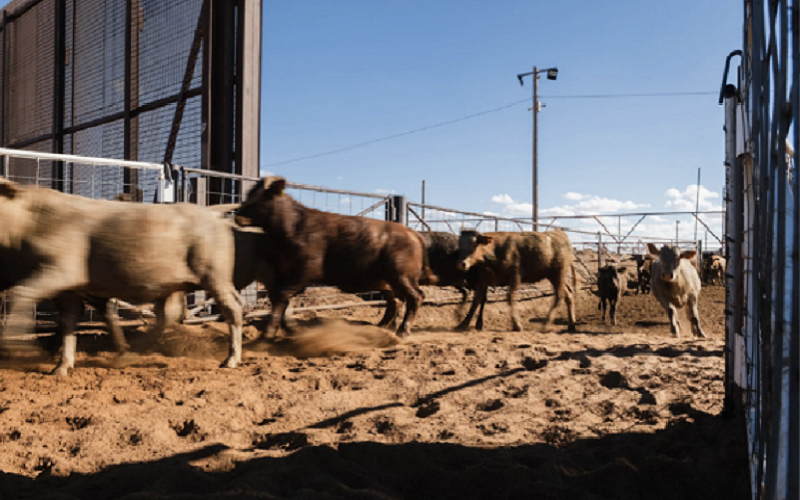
(481, 113)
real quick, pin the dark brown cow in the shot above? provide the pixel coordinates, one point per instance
(643, 263)
(353, 253)
(443, 257)
(611, 284)
(508, 259)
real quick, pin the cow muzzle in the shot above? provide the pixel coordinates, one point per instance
(462, 265)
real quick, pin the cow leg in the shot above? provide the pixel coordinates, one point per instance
(695, 318)
(391, 307)
(560, 290)
(602, 307)
(479, 321)
(230, 303)
(516, 324)
(477, 297)
(411, 294)
(70, 310)
(613, 311)
(109, 308)
(672, 313)
(41, 286)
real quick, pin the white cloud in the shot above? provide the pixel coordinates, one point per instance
(385, 191)
(339, 178)
(588, 204)
(503, 199)
(266, 173)
(345, 200)
(684, 201)
(573, 196)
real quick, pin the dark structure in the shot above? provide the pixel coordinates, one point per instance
(175, 82)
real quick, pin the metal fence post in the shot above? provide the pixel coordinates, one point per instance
(400, 210)
(599, 250)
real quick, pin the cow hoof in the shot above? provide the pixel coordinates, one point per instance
(60, 371)
(462, 328)
(572, 329)
(230, 362)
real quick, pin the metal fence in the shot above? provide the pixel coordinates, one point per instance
(763, 294)
(105, 179)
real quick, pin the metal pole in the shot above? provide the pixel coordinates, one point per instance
(423, 200)
(535, 152)
(677, 222)
(697, 204)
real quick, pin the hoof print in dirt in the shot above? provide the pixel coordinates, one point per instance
(516, 392)
(558, 436)
(77, 423)
(428, 408)
(614, 380)
(384, 425)
(531, 364)
(491, 405)
(188, 429)
(647, 398)
(288, 441)
(345, 427)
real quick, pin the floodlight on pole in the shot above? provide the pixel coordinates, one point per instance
(552, 74)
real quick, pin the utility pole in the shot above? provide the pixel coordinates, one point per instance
(552, 74)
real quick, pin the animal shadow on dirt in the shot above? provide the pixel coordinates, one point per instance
(681, 461)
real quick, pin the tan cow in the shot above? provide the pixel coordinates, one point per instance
(96, 248)
(508, 259)
(714, 269)
(676, 284)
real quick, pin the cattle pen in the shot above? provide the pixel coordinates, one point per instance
(106, 178)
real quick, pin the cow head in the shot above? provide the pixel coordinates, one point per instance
(258, 200)
(473, 248)
(670, 258)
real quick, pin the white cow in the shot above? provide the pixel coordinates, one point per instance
(675, 283)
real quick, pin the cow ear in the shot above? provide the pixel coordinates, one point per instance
(8, 189)
(484, 240)
(653, 249)
(689, 254)
(273, 184)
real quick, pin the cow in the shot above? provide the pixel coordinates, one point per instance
(643, 263)
(714, 270)
(675, 284)
(612, 282)
(353, 253)
(443, 257)
(508, 259)
(63, 243)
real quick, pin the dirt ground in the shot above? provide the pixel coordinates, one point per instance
(345, 410)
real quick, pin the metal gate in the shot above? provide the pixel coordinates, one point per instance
(762, 301)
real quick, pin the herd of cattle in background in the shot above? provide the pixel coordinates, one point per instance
(74, 250)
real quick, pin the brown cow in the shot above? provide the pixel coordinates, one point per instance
(611, 284)
(676, 284)
(97, 248)
(643, 263)
(443, 258)
(508, 259)
(353, 253)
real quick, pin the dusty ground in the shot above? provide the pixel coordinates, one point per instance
(611, 412)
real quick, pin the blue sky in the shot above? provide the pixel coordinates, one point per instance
(339, 74)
